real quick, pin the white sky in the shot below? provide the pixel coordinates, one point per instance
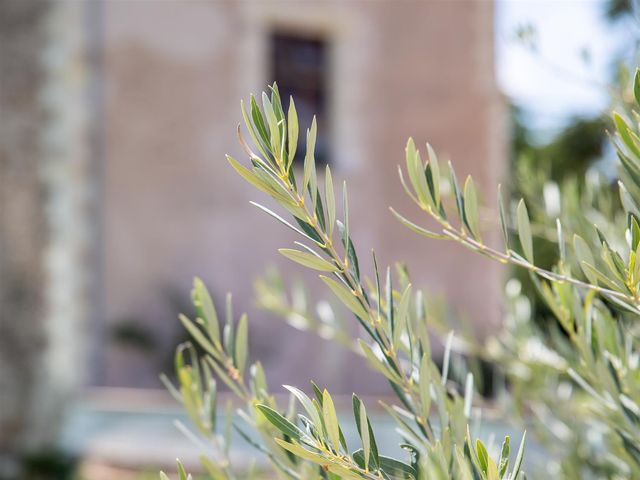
(556, 83)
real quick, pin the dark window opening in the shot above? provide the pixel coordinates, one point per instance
(299, 66)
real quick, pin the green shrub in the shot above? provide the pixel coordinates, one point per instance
(577, 377)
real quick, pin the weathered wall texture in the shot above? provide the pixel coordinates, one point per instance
(43, 221)
(175, 72)
(22, 334)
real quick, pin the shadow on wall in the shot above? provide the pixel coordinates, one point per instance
(142, 348)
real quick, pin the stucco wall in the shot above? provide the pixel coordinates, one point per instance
(44, 222)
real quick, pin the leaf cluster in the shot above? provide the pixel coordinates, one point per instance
(308, 442)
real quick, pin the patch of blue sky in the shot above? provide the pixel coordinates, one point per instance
(568, 73)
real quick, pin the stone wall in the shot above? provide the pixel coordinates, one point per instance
(43, 224)
(22, 232)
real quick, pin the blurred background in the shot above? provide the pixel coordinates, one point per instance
(115, 117)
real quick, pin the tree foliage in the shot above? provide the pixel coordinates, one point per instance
(579, 377)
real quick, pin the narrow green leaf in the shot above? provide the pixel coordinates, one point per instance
(378, 289)
(416, 173)
(317, 205)
(492, 470)
(276, 101)
(582, 250)
(339, 472)
(258, 380)
(308, 260)
(280, 422)
(517, 465)
(276, 190)
(561, 245)
(483, 455)
(397, 469)
(206, 309)
(307, 404)
(170, 387)
(406, 188)
(634, 230)
(392, 468)
(633, 169)
(417, 229)
(420, 324)
(317, 392)
(596, 277)
(213, 470)
(330, 200)
(182, 472)
(373, 455)
(272, 121)
(626, 199)
(364, 431)
(376, 363)
(615, 264)
(308, 229)
(456, 192)
(471, 207)
(227, 428)
(242, 344)
(463, 465)
(636, 266)
(407, 431)
(503, 219)
(446, 359)
(630, 446)
(179, 356)
(252, 130)
(301, 452)
(389, 301)
(190, 397)
(524, 231)
(224, 377)
(309, 158)
(468, 395)
(198, 336)
(347, 297)
(352, 257)
(504, 456)
(410, 154)
(626, 134)
(331, 420)
(440, 394)
(470, 453)
(402, 317)
(435, 174)
(258, 121)
(292, 125)
(211, 397)
(584, 256)
(424, 386)
(250, 176)
(287, 224)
